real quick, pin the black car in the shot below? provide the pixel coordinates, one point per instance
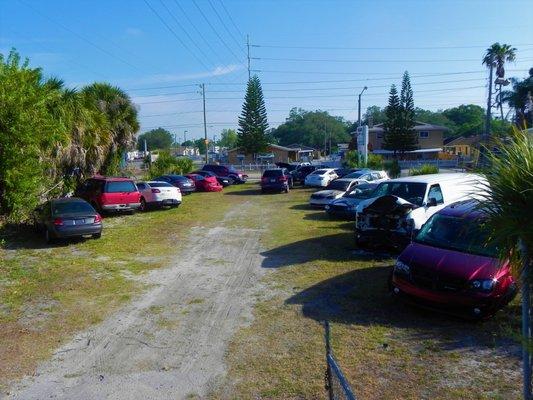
(223, 180)
(278, 179)
(299, 174)
(67, 218)
(185, 184)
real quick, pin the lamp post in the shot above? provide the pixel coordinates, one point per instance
(359, 107)
(185, 136)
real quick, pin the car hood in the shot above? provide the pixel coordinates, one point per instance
(450, 262)
(346, 201)
(387, 204)
(326, 193)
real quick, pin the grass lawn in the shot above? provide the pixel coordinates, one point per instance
(47, 293)
(387, 349)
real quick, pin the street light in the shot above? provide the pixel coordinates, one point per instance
(185, 136)
(359, 107)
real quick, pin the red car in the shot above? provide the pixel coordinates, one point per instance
(450, 267)
(110, 194)
(205, 183)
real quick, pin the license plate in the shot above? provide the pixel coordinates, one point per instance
(272, 180)
(79, 222)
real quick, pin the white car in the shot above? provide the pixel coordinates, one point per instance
(155, 193)
(320, 177)
(368, 176)
(334, 190)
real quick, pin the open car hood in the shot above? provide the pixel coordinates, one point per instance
(388, 205)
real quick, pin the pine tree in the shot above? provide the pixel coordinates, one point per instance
(409, 139)
(253, 120)
(392, 124)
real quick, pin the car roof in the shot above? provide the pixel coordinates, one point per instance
(325, 169)
(344, 180)
(464, 209)
(435, 178)
(68, 200)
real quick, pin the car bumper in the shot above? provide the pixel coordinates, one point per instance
(319, 203)
(341, 214)
(167, 202)
(187, 190)
(274, 186)
(76, 231)
(213, 188)
(121, 207)
(380, 237)
(461, 304)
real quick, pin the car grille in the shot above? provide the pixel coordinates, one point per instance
(434, 281)
(382, 222)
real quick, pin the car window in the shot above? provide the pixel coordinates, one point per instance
(436, 193)
(141, 186)
(120, 186)
(412, 192)
(367, 177)
(158, 184)
(355, 175)
(272, 173)
(375, 175)
(59, 208)
(339, 185)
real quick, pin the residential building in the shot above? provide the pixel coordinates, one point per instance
(430, 141)
(274, 153)
(467, 147)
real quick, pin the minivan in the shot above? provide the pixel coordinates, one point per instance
(401, 206)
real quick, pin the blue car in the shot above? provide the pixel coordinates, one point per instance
(344, 207)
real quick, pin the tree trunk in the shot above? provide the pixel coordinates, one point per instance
(526, 321)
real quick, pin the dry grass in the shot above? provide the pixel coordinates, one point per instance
(387, 350)
(47, 293)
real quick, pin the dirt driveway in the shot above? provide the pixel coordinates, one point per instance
(169, 343)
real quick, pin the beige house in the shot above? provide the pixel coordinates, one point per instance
(430, 141)
(464, 146)
(273, 154)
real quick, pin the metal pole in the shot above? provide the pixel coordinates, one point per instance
(185, 136)
(526, 321)
(329, 385)
(486, 134)
(325, 140)
(205, 125)
(359, 107)
(248, 47)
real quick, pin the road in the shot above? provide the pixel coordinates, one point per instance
(171, 341)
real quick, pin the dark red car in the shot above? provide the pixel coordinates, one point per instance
(205, 183)
(450, 267)
(110, 194)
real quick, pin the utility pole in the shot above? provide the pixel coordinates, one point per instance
(205, 125)
(185, 136)
(248, 47)
(359, 107)
(486, 135)
(325, 139)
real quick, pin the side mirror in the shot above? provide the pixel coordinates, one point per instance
(432, 202)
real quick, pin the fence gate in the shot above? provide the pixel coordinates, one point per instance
(337, 385)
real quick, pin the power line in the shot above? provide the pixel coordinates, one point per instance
(239, 46)
(216, 32)
(231, 19)
(369, 61)
(375, 48)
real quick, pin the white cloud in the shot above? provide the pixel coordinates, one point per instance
(166, 78)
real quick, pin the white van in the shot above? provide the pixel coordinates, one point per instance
(401, 206)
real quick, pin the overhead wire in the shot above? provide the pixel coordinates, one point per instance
(239, 45)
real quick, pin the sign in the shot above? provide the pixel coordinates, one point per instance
(362, 142)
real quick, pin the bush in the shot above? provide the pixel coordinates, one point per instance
(375, 161)
(351, 159)
(166, 163)
(424, 169)
(392, 168)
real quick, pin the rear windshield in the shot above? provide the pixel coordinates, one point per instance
(272, 172)
(71, 207)
(462, 234)
(339, 185)
(120, 186)
(160, 184)
(320, 172)
(413, 192)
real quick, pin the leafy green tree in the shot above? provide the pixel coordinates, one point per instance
(200, 145)
(393, 125)
(166, 163)
(409, 137)
(189, 143)
(155, 139)
(468, 119)
(374, 114)
(229, 138)
(310, 128)
(519, 98)
(253, 120)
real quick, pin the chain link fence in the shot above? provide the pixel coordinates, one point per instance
(337, 385)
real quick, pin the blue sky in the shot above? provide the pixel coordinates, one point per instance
(308, 54)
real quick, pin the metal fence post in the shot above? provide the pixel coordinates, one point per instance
(329, 383)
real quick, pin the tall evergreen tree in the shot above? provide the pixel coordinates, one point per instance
(409, 138)
(253, 120)
(392, 124)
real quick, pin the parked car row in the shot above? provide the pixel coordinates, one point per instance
(446, 260)
(80, 215)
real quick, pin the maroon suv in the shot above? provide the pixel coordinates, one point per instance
(450, 266)
(110, 194)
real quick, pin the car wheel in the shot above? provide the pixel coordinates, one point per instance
(143, 206)
(50, 239)
(97, 235)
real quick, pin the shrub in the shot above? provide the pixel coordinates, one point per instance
(351, 159)
(375, 161)
(424, 169)
(166, 163)
(392, 168)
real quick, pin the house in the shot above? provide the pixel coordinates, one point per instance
(305, 153)
(274, 153)
(467, 147)
(430, 141)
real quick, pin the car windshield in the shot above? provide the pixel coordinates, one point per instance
(357, 174)
(339, 185)
(272, 173)
(120, 186)
(69, 207)
(160, 184)
(179, 178)
(361, 192)
(463, 234)
(319, 172)
(413, 192)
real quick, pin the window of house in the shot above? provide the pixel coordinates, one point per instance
(424, 134)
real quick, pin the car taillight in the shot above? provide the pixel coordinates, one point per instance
(156, 191)
(97, 219)
(178, 189)
(282, 179)
(58, 221)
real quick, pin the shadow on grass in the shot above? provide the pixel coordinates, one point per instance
(245, 192)
(24, 236)
(361, 297)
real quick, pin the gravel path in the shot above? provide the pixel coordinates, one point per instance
(170, 342)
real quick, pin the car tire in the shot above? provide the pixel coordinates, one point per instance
(143, 206)
(97, 235)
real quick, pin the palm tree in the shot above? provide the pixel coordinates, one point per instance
(508, 206)
(496, 56)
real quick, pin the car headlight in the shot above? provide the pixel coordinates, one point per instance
(483, 285)
(401, 268)
(327, 207)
